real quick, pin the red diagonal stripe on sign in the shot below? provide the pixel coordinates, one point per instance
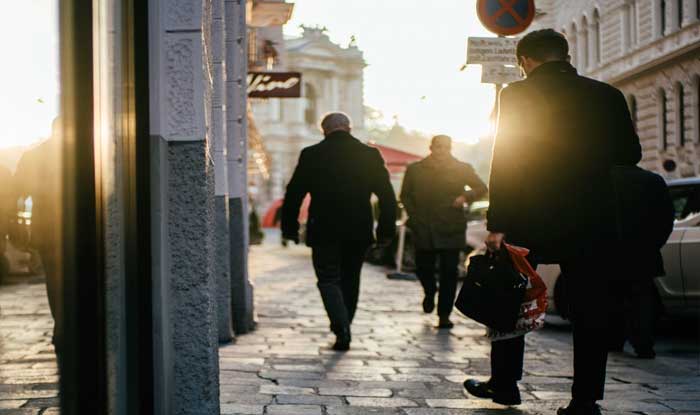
(507, 7)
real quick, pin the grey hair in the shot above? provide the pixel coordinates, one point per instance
(334, 121)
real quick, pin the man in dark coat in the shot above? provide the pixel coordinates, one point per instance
(559, 136)
(341, 174)
(434, 196)
(645, 221)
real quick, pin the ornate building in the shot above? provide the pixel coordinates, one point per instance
(332, 78)
(650, 49)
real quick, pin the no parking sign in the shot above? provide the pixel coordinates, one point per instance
(506, 17)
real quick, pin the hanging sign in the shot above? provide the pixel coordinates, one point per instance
(499, 74)
(274, 84)
(506, 17)
(491, 51)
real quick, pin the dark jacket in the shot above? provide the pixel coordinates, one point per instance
(341, 174)
(428, 193)
(559, 135)
(645, 219)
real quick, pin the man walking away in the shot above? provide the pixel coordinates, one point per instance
(559, 137)
(434, 196)
(341, 174)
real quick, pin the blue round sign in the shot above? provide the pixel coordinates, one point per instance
(506, 17)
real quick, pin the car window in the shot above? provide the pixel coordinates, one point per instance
(686, 201)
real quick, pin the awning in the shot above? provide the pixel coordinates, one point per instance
(396, 160)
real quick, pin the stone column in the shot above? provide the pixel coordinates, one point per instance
(184, 308)
(218, 132)
(237, 163)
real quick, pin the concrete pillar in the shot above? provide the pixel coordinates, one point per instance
(184, 307)
(218, 131)
(237, 163)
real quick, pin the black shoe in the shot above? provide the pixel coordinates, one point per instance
(505, 396)
(429, 303)
(445, 323)
(342, 340)
(479, 389)
(580, 409)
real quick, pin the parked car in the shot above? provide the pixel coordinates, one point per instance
(679, 289)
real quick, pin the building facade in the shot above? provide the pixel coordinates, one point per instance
(649, 49)
(332, 80)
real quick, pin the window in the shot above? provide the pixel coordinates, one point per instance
(686, 201)
(310, 115)
(632, 103)
(696, 107)
(596, 38)
(583, 42)
(662, 120)
(573, 45)
(679, 7)
(680, 114)
(632, 22)
(662, 16)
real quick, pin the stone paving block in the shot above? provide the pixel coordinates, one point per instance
(415, 377)
(464, 403)
(284, 390)
(355, 376)
(690, 405)
(309, 400)
(377, 393)
(354, 410)
(293, 410)
(382, 402)
(21, 411)
(11, 404)
(245, 398)
(237, 409)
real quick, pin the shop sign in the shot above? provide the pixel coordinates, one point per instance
(274, 84)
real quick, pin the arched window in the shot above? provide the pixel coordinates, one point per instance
(630, 24)
(573, 44)
(583, 44)
(311, 113)
(662, 119)
(680, 114)
(632, 103)
(662, 16)
(596, 38)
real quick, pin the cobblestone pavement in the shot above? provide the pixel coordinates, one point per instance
(28, 372)
(400, 364)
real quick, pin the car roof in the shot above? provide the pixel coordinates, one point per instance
(690, 181)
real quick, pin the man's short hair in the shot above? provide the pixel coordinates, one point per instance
(544, 45)
(441, 137)
(334, 121)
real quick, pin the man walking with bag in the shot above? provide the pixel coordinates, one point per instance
(434, 196)
(551, 190)
(341, 174)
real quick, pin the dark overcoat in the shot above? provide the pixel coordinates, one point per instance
(341, 174)
(428, 193)
(558, 137)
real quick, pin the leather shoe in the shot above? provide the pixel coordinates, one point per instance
(575, 408)
(342, 340)
(505, 396)
(445, 323)
(429, 303)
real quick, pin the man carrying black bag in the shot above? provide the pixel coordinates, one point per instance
(559, 137)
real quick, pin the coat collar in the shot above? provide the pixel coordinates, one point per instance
(550, 68)
(339, 135)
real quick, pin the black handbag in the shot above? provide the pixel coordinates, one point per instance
(492, 292)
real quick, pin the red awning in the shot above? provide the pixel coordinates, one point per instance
(396, 160)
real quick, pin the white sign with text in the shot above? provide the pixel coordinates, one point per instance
(499, 74)
(491, 51)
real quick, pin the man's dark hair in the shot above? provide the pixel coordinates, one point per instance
(544, 45)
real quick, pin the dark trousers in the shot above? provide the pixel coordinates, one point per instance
(507, 361)
(338, 268)
(425, 269)
(589, 287)
(634, 311)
